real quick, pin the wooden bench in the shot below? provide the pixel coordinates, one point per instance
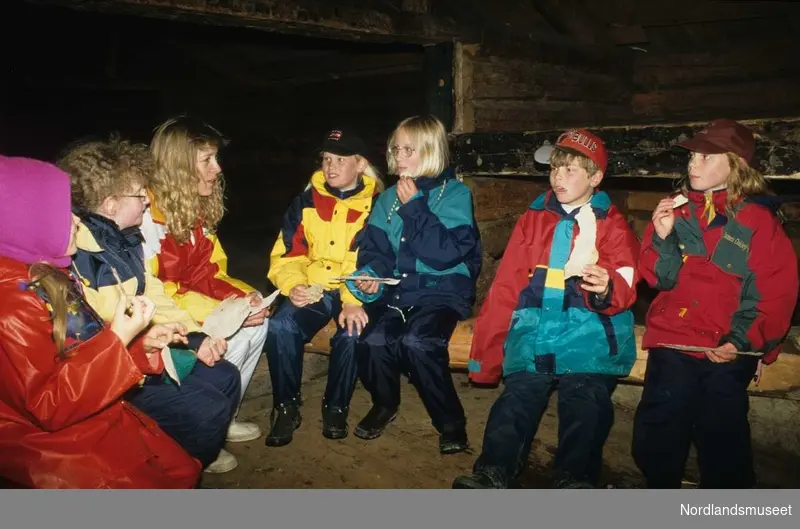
(780, 380)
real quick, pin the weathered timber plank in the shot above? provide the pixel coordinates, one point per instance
(744, 98)
(656, 71)
(343, 19)
(634, 151)
(500, 77)
(520, 115)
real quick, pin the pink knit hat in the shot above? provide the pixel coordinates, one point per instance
(35, 211)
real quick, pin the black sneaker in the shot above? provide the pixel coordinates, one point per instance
(566, 481)
(284, 420)
(478, 480)
(453, 442)
(376, 421)
(334, 423)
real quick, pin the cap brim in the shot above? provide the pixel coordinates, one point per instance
(700, 145)
(542, 154)
(338, 150)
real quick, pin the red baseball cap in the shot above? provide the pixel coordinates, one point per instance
(721, 136)
(576, 141)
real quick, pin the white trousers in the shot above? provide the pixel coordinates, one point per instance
(244, 350)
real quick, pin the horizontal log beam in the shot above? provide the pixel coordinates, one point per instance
(342, 19)
(634, 151)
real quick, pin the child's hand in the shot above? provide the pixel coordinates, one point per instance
(299, 296)
(211, 351)
(367, 286)
(127, 327)
(353, 316)
(406, 188)
(256, 319)
(664, 217)
(595, 279)
(722, 354)
(159, 336)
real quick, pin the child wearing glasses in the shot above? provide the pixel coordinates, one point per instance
(422, 232)
(108, 194)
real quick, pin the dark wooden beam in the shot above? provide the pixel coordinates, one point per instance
(634, 151)
(340, 19)
(680, 12)
(570, 17)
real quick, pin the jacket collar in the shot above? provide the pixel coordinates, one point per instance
(428, 183)
(96, 233)
(600, 203)
(719, 197)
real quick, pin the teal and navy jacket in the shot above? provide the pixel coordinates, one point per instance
(730, 280)
(431, 244)
(536, 320)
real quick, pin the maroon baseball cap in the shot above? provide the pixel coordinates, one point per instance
(721, 136)
(577, 141)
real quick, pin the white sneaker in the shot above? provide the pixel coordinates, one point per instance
(225, 462)
(239, 432)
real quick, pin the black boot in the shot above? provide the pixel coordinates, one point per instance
(334, 422)
(376, 421)
(284, 420)
(453, 441)
(478, 480)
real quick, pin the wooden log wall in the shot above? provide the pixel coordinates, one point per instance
(753, 81)
(541, 87)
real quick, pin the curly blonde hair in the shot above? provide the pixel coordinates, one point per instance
(100, 169)
(174, 185)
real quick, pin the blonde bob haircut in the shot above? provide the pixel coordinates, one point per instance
(175, 147)
(429, 138)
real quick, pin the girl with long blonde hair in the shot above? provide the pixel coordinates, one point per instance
(181, 242)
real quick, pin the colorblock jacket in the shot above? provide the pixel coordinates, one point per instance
(63, 421)
(316, 241)
(431, 244)
(733, 279)
(110, 261)
(535, 319)
(194, 273)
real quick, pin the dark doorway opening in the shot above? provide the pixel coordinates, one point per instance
(81, 75)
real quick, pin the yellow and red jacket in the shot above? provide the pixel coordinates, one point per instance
(195, 273)
(316, 241)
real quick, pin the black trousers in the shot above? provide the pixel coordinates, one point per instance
(411, 341)
(685, 400)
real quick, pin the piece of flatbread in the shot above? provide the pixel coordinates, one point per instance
(584, 251)
(679, 201)
(227, 317)
(169, 365)
(315, 293)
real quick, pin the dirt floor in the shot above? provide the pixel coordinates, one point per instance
(406, 456)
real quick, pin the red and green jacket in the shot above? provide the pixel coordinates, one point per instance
(731, 280)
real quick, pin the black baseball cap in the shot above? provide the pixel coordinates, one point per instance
(344, 142)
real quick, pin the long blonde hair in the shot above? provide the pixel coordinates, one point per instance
(56, 285)
(743, 181)
(174, 185)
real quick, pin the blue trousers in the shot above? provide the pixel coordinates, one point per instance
(585, 417)
(413, 342)
(685, 400)
(289, 330)
(198, 412)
